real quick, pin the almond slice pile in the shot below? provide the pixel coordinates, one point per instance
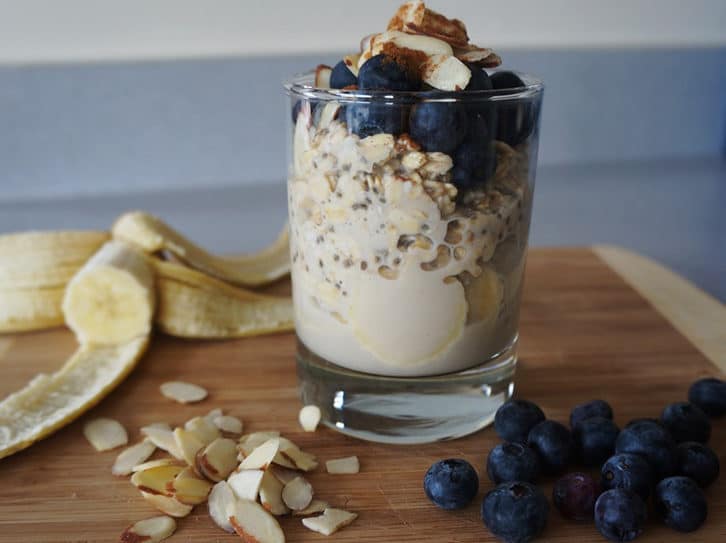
(247, 480)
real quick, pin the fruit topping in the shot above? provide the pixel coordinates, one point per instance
(595, 440)
(515, 512)
(438, 126)
(512, 462)
(652, 441)
(680, 502)
(451, 483)
(699, 462)
(594, 408)
(686, 422)
(553, 444)
(574, 495)
(515, 418)
(342, 76)
(627, 471)
(620, 515)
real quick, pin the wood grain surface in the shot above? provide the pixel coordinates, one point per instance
(585, 334)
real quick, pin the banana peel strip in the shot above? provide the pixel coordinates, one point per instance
(250, 270)
(194, 305)
(49, 402)
(34, 270)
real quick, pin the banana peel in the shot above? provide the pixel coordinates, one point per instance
(252, 270)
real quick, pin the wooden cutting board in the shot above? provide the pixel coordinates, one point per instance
(586, 333)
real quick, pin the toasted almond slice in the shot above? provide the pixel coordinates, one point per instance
(105, 434)
(255, 525)
(150, 530)
(351, 62)
(328, 113)
(188, 443)
(297, 494)
(322, 76)
(446, 73)
(330, 521)
(156, 426)
(132, 456)
(415, 17)
(481, 56)
(157, 480)
(271, 495)
(213, 414)
(229, 424)
(218, 459)
(316, 506)
(190, 489)
(221, 504)
(167, 505)
(246, 483)
(204, 429)
(262, 456)
(182, 392)
(309, 417)
(164, 439)
(161, 462)
(349, 464)
(283, 474)
(249, 442)
(300, 459)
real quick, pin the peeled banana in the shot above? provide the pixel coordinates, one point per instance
(34, 270)
(111, 300)
(194, 305)
(154, 236)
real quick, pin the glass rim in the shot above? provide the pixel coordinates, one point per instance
(301, 85)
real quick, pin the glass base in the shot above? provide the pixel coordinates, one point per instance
(404, 410)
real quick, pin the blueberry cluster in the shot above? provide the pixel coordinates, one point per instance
(464, 131)
(665, 458)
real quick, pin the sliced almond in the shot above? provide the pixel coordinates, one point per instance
(150, 530)
(182, 392)
(284, 475)
(132, 456)
(428, 44)
(105, 434)
(328, 113)
(167, 505)
(156, 426)
(246, 483)
(157, 480)
(271, 494)
(377, 148)
(221, 504)
(330, 521)
(300, 459)
(262, 456)
(188, 444)
(297, 494)
(349, 464)
(481, 56)
(446, 73)
(351, 62)
(322, 76)
(159, 463)
(164, 439)
(249, 442)
(309, 417)
(415, 17)
(213, 414)
(255, 525)
(205, 429)
(190, 489)
(316, 506)
(228, 424)
(218, 459)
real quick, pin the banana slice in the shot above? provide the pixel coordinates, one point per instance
(483, 294)
(251, 270)
(111, 299)
(49, 402)
(194, 305)
(34, 270)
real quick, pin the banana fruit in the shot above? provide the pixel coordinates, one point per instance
(155, 236)
(111, 300)
(193, 305)
(34, 270)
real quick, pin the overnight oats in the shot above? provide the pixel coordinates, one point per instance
(410, 195)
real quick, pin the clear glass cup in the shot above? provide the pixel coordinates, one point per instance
(407, 265)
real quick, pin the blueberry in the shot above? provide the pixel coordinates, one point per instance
(699, 462)
(515, 512)
(366, 119)
(710, 395)
(515, 418)
(633, 422)
(512, 462)
(681, 503)
(652, 441)
(627, 471)
(553, 444)
(620, 515)
(438, 126)
(515, 121)
(595, 440)
(505, 80)
(451, 484)
(574, 495)
(382, 72)
(686, 422)
(593, 408)
(474, 163)
(480, 80)
(341, 76)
